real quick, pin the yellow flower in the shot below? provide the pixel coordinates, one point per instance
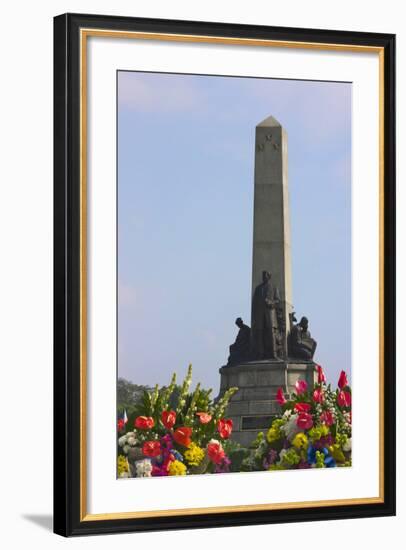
(274, 433)
(300, 441)
(177, 468)
(318, 431)
(337, 453)
(194, 455)
(122, 465)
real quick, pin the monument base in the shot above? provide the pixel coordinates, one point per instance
(254, 406)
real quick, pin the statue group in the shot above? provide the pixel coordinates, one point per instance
(267, 336)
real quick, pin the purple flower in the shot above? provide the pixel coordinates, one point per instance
(324, 441)
(223, 467)
(270, 458)
(167, 441)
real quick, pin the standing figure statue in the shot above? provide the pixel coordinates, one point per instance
(240, 350)
(301, 344)
(266, 334)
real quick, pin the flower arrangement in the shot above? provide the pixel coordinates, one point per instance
(312, 431)
(185, 438)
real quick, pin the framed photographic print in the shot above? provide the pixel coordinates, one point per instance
(224, 274)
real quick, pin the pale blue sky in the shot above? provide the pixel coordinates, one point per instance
(185, 213)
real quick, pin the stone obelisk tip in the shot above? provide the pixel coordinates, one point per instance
(269, 122)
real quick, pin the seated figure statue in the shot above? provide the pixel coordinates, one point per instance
(301, 344)
(240, 350)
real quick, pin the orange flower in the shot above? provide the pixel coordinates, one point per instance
(168, 419)
(224, 428)
(204, 417)
(182, 436)
(151, 448)
(144, 422)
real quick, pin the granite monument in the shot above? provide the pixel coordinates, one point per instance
(276, 352)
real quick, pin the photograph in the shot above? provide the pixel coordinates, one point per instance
(234, 289)
(224, 274)
(201, 220)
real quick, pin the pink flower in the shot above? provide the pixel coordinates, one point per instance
(327, 418)
(318, 395)
(304, 421)
(321, 377)
(344, 398)
(215, 451)
(302, 407)
(280, 397)
(204, 417)
(301, 386)
(343, 380)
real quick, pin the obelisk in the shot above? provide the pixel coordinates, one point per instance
(271, 244)
(254, 405)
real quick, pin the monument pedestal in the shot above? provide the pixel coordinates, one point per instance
(254, 406)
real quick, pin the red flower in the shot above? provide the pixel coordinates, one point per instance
(204, 417)
(321, 377)
(120, 424)
(318, 396)
(182, 436)
(225, 427)
(327, 417)
(343, 380)
(151, 448)
(304, 421)
(301, 386)
(144, 422)
(280, 397)
(302, 407)
(215, 452)
(168, 419)
(344, 398)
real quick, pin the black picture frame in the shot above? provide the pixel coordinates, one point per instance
(68, 520)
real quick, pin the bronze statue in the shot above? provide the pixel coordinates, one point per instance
(240, 350)
(266, 333)
(301, 344)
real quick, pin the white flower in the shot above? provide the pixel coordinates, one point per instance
(122, 440)
(126, 448)
(143, 468)
(287, 414)
(347, 445)
(281, 455)
(131, 440)
(291, 428)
